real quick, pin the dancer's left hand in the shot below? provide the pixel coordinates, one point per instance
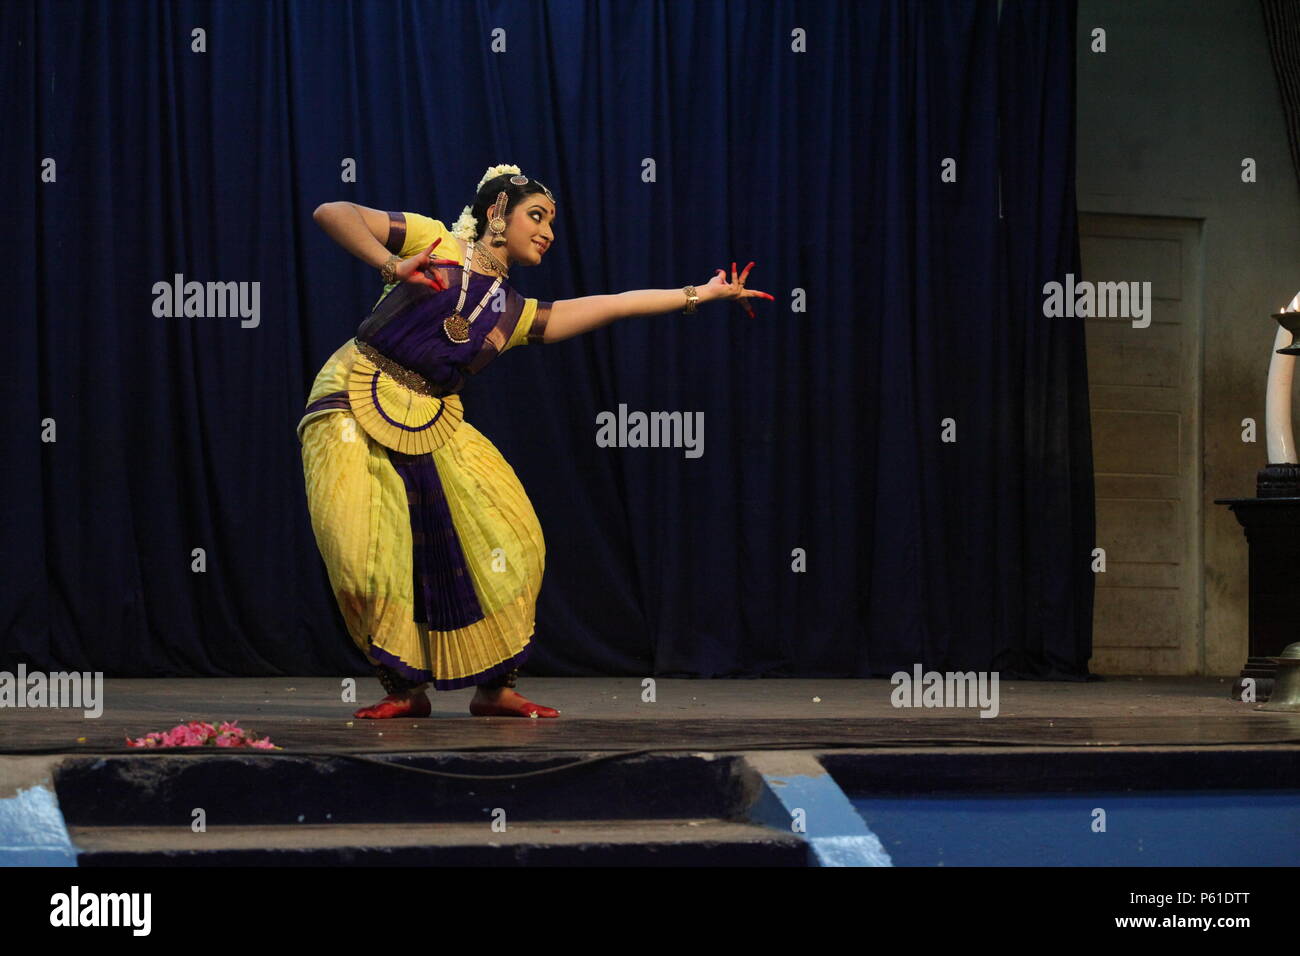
(719, 288)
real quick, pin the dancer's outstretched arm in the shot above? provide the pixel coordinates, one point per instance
(570, 317)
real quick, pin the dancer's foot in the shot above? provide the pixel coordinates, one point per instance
(399, 705)
(504, 702)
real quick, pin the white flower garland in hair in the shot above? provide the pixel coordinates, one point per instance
(466, 227)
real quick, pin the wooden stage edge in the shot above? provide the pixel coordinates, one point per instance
(309, 716)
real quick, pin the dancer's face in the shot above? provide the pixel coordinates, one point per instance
(528, 229)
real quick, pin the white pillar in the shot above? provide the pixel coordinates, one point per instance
(1277, 408)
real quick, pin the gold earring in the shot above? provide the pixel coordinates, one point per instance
(497, 222)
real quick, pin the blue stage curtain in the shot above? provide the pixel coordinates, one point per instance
(824, 428)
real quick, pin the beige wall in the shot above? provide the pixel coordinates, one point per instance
(1165, 117)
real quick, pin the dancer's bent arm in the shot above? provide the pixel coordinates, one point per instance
(360, 230)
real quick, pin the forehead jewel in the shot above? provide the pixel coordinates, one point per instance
(520, 180)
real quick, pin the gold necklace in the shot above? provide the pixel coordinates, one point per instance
(484, 258)
(456, 326)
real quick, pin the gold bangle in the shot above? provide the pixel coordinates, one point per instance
(388, 271)
(692, 298)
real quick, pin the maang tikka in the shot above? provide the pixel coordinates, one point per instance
(523, 181)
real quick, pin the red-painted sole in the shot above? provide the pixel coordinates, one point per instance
(388, 707)
(526, 709)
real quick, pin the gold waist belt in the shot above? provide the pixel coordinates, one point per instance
(397, 407)
(398, 373)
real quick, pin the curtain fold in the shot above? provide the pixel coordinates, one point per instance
(1282, 27)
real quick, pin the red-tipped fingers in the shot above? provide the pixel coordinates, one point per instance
(746, 272)
(754, 293)
(431, 278)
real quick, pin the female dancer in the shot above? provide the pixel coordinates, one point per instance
(433, 550)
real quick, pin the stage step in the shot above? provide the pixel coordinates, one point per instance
(281, 810)
(239, 789)
(628, 842)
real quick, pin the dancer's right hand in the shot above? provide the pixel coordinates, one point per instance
(719, 288)
(420, 268)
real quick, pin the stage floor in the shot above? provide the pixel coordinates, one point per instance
(607, 714)
(713, 772)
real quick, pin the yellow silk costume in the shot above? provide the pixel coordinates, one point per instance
(446, 535)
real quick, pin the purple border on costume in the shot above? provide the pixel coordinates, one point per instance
(505, 329)
(396, 303)
(374, 397)
(455, 683)
(396, 232)
(332, 400)
(537, 330)
(444, 591)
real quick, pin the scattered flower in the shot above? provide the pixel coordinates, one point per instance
(198, 733)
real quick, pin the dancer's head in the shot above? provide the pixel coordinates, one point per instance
(528, 214)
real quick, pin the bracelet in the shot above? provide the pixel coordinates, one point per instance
(388, 271)
(692, 299)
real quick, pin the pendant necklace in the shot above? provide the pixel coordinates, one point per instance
(456, 326)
